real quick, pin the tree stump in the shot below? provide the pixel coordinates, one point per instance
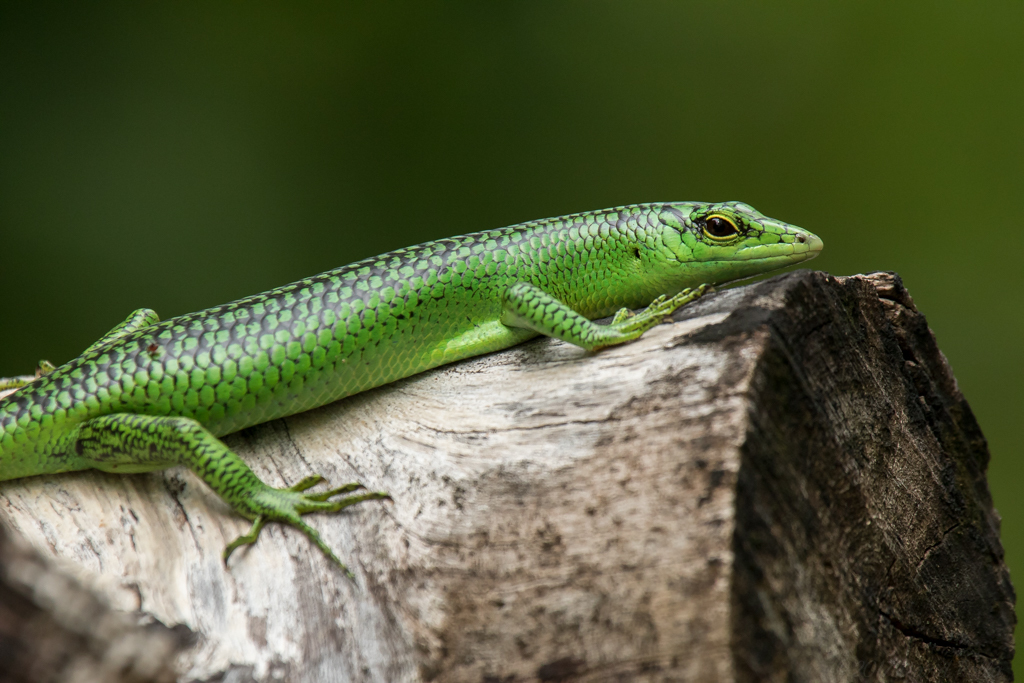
(783, 484)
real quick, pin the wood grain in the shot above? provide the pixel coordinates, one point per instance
(782, 484)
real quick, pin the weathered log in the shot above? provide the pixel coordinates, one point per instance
(53, 630)
(783, 484)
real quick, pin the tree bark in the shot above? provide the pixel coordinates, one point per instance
(784, 484)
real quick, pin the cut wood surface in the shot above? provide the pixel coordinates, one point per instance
(783, 484)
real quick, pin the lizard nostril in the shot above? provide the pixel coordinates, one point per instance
(801, 238)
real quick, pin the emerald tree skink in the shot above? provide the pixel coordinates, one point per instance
(153, 394)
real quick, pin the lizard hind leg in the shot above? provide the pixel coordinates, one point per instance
(126, 442)
(136, 320)
(143, 317)
(9, 384)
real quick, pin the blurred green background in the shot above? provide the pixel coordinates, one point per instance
(181, 155)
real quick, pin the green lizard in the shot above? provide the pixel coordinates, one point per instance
(151, 394)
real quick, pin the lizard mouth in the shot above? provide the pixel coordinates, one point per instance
(805, 247)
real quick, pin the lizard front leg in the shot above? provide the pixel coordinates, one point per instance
(528, 306)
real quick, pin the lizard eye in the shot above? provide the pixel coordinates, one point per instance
(719, 227)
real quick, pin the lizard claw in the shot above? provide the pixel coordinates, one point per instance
(622, 315)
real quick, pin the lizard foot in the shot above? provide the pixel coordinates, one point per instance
(658, 310)
(287, 505)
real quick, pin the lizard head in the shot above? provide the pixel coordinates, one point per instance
(721, 242)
